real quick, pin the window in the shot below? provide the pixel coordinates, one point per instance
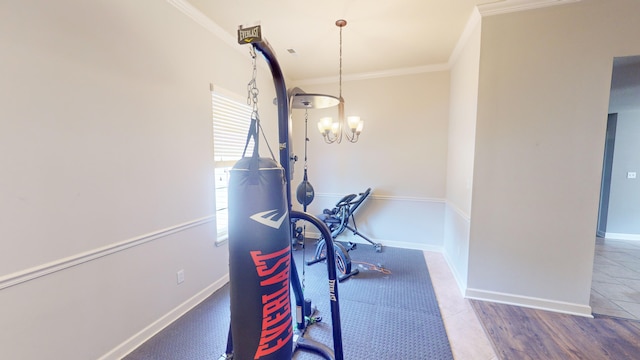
(231, 120)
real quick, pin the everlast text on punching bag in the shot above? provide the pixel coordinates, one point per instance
(259, 261)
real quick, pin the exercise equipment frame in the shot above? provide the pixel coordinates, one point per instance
(286, 158)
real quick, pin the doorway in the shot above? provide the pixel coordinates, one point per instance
(615, 288)
(605, 187)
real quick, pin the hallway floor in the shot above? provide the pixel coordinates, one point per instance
(615, 289)
(466, 335)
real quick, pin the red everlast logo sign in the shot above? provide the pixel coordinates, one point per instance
(273, 269)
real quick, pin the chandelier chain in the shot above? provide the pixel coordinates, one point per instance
(306, 136)
(340, 79)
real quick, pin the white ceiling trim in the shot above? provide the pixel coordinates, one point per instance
(473, 21)
(203, 20)
(509, 6)
(374, 75)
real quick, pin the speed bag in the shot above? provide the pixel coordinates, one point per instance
(259, 261)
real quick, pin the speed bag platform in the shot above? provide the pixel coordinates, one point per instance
(259, 261)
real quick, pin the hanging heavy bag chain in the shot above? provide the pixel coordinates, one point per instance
(304, 226)
(306, 140)
(252, 89)
(252, 100)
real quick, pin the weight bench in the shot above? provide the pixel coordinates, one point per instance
(341, 217)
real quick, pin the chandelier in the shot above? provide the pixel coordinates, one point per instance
(331, 130)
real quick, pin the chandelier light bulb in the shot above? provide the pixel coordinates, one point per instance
(354, 122)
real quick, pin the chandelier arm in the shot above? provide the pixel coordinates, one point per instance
(327, 139)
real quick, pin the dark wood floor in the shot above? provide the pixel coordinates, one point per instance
(519, 333)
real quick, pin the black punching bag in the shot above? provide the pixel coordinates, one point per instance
(259, 261)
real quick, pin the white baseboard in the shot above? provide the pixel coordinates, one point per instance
(412, 246)
(347, 237)
(529, 302)
(462, 285)
(618, 236)
(145, 334)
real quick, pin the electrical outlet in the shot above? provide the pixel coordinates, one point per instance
(180, 276)
(631, 175)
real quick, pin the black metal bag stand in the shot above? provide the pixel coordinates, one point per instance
(253, 36)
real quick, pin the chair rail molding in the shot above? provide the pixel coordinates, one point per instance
(23, 276)
(387, 197)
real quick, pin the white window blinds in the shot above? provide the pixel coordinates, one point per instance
(231, 120)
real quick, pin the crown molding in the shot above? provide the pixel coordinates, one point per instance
(375, 74)
(474, 19)
(500, 7)
(509, 6)
(196, 15)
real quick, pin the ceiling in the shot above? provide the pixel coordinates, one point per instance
(379, 37)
